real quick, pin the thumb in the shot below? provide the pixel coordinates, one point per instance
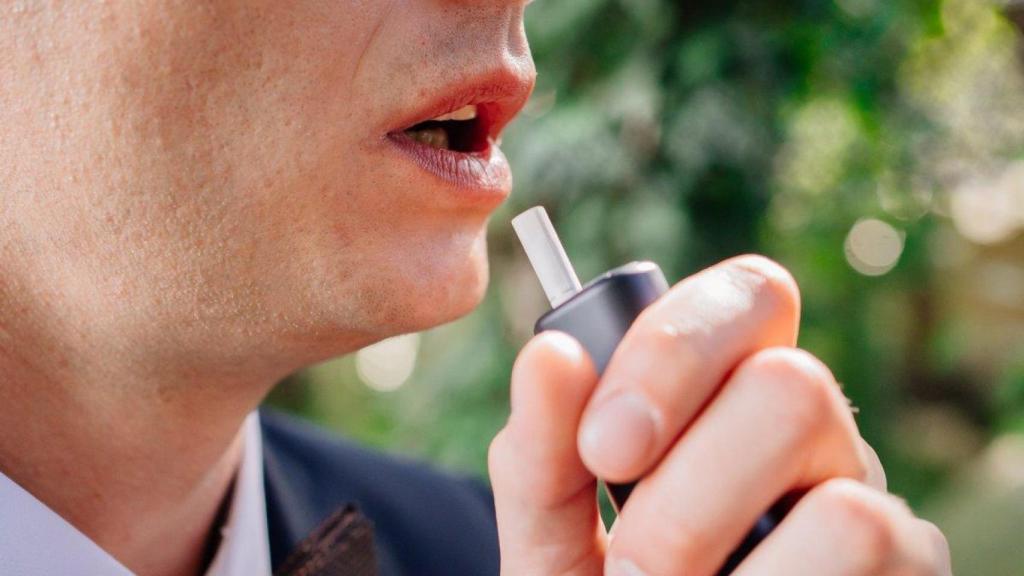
(546, 500)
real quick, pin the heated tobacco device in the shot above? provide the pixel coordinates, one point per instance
(598, 316)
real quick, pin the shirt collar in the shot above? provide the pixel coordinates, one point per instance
(245, 546)
(36, 540)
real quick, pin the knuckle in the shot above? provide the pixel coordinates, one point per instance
(871, 472)
(655, 338)
(799, 384)
(505, 465)
(772, 285)
(683, 543)
(859, 468)
(863, 520)
(662, 550)
(524, 474)
(661, 339)
(498, 454)
(940, 545)
(936, 535)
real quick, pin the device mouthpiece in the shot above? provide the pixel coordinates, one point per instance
(546, 254)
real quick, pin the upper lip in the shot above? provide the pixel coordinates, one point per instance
(498, 95)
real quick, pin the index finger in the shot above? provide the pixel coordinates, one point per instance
(545, 499)
(677, 354)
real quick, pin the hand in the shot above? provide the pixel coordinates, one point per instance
(710, 406)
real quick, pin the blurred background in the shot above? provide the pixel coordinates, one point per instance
(874, 147)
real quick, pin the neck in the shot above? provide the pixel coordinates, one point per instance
(121, 405)
(140, 466)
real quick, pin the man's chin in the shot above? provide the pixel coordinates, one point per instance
(443, 288)
(396, 294)
(447, 300)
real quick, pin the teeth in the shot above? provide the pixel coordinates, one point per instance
(433, 137)
(460, 115)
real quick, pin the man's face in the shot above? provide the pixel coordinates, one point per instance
(242, 167)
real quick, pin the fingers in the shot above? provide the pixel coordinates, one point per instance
(548, 520)
(844, 527)
(677, 354)
(780, 423)
(876, 473)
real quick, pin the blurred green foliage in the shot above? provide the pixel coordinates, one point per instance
(701, 130)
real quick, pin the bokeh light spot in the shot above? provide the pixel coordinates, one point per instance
(987, 211)
(388, 364)
(873, 247)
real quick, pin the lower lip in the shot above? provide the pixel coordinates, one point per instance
(483, 176)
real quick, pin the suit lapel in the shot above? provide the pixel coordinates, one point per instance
(343, 544)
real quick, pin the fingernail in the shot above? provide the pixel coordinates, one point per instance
(618, 435)
(623, 567)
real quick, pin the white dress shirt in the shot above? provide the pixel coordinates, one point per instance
(35, 540)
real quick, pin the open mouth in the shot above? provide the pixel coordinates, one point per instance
(456, 138)
(465, 130)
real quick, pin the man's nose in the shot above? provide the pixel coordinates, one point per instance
(495, 27)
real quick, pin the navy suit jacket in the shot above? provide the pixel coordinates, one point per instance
(426, 522)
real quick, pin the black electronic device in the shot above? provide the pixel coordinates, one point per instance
(598, 315)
